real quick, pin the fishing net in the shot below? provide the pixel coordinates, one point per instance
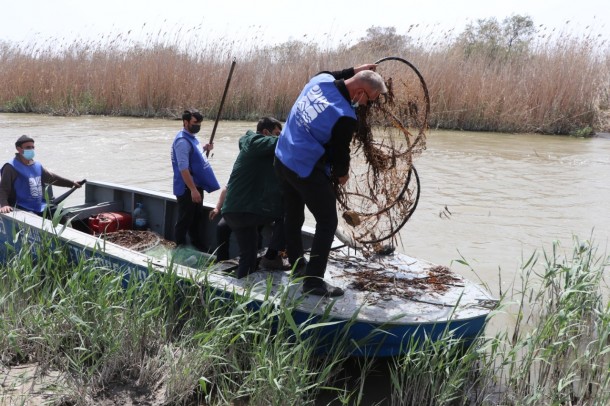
(137, 240)
(383, 189)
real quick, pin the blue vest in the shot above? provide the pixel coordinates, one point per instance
(28, 186)
(310, 123)
(199, 167)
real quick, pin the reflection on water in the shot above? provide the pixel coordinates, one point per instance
(491, 198)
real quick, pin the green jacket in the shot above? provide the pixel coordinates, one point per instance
(253, 186)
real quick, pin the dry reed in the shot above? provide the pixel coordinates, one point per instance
(559, 86)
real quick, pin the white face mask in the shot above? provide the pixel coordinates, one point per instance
(356, 103)
(28, 154)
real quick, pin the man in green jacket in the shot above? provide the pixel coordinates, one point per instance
(254, 197)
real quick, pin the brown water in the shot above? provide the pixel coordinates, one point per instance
(503, 195)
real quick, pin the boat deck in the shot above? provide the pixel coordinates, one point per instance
(382, 289)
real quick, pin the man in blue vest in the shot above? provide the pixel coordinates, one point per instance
(313, 147)
(23, 179)
(192, 175)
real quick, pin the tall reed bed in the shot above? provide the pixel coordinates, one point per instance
(560, 85)
(181, 343)
(559, 350)
(559, 353)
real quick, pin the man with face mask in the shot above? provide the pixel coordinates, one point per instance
(314, 147)
(254, 198)
(22, 180)
(192, 175)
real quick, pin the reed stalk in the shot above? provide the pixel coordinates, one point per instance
(559, 85)
(183, 343)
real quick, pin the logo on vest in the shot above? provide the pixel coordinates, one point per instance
(311, 105)
(35, 186)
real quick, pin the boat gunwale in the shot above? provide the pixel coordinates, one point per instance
(221, 281)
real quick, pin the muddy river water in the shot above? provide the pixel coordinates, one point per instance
(492, 199)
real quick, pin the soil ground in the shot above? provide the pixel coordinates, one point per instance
(28, 385)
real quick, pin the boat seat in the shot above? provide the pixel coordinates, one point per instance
(84, 211)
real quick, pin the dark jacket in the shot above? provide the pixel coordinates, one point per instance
(253, 186)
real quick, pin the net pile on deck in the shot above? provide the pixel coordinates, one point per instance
(386, 279)
(137, 240)
(383, 189)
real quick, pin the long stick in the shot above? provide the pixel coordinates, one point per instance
(63, 197)
(222, 102)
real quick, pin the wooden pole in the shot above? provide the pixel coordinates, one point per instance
(222, 102)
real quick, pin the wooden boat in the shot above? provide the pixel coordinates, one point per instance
(390, 301)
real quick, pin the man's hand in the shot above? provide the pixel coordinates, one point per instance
(6, 209)
(208, 147)
(196, 196)
(368, 66)
(343, 179)
(214, 212)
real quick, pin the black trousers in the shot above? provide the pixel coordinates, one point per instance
(223, 238)
(246, 229)
(318, 194)
(190, 218)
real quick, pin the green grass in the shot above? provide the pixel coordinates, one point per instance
(80, 319)
(189, 345)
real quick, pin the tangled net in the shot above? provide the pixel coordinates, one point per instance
(383, 190)
(137, 240)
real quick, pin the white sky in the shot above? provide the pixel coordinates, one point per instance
(277, 21)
